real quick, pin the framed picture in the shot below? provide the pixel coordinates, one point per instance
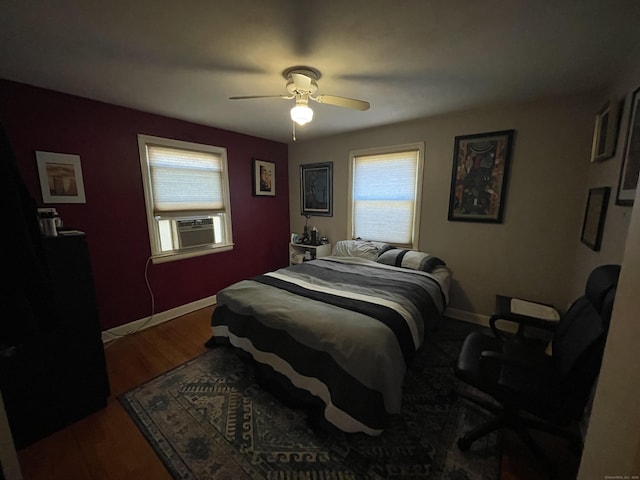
(479, 176)
(60, 178)
(631, 158)
(264, 178)
(316, 189)
(605, 133)
(594, 216)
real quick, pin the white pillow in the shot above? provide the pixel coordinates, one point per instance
(359, 248)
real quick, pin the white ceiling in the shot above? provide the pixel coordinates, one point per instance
(408, 58)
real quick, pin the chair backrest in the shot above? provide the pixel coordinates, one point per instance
(579, 340)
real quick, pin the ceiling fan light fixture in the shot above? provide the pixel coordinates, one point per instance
(301, 114)
(302, 84)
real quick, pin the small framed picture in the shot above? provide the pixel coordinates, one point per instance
(264, 178)
(594, 216)
(316, 189)
(630, 168)
(60, 178)
(605, 134)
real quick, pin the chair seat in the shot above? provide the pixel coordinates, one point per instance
(531, 387)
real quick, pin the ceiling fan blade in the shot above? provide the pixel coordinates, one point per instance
(342, 102)
(302, 82)
(286, 97)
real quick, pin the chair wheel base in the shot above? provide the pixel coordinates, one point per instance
(464, 444)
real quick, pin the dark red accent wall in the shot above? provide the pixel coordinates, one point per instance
(114, 218)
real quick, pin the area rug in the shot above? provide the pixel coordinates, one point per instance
(209, 419)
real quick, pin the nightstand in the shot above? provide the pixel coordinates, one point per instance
(297, 251)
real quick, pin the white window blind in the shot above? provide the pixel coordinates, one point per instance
(384, 196)
(185, 181)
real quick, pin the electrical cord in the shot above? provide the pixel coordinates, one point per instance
(146, 322)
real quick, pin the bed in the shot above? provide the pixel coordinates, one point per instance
(341, 329)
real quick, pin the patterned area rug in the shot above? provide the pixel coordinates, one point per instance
(209, 419)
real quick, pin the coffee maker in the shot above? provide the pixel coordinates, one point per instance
(49, 221)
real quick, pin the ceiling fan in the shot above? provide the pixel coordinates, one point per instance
(302, 84)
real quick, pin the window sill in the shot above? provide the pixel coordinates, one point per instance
(173, 256)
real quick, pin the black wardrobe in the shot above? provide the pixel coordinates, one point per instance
(52, 364)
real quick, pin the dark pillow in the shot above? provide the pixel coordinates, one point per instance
(410, 259)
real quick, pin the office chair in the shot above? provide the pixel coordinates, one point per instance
(531, 388)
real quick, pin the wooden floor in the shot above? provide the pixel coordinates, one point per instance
(107, 445)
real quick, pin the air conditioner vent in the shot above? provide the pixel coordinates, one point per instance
(195, 232)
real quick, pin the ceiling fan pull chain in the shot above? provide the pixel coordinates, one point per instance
(294, 130)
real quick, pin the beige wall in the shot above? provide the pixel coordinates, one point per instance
(604, 174)
(531, 253)
(612, 446)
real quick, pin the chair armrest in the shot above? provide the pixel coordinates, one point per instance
(522, 321)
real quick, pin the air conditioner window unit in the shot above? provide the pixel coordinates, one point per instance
(194, 232)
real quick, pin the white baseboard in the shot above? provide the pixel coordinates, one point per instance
(156, 319)
(467, 316)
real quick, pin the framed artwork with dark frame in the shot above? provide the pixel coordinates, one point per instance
(479, 176)
(594, 217)
(60, 178)
(630, 167)
(605, 133)
(264, 178)
(316, 189)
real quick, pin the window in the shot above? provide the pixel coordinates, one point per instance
(385, 194)
(186, 190)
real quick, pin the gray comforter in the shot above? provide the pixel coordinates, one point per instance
(340, 328)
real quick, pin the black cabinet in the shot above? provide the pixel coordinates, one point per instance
(59, 376)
